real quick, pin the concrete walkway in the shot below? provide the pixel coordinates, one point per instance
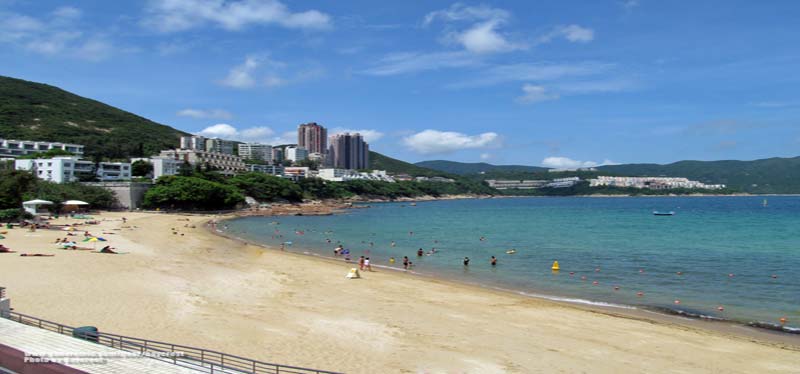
(31, 339)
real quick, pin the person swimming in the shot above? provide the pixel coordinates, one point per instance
(466, 261)
(420, 252)
(494, 261)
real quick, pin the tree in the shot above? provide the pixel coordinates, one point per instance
(192, 193)
(265, 187)
(141, 168)
(185, 170)
(13, 185)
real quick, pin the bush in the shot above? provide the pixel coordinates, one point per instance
(13, 214)
(263, 187)
(191, 193)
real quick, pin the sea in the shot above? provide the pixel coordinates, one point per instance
(732, 258)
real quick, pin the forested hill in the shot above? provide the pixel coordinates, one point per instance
(36, 111)
(771, 175)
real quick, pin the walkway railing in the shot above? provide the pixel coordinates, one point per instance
(190, 357)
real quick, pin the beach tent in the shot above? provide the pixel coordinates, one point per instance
(73, 205)
(32, 205)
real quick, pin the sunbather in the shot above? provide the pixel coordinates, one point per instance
(108, 249)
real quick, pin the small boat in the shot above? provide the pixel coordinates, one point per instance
(413, 204)
(657, 213)
(511, 251)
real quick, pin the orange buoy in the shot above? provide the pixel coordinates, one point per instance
(783, 320)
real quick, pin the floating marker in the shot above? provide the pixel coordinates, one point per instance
(555, 266)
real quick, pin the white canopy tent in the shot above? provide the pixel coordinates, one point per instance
(75, 202)
(32, 205)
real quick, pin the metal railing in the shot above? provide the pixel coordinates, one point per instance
(191, 357)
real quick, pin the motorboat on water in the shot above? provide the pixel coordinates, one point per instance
(659, 213)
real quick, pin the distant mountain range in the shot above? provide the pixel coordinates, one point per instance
(36, 111)
(771, 175)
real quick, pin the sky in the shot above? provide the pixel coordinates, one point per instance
(554, 83)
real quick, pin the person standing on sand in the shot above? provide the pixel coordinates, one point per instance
(367, 265)
(466, 261)
(361, 262)
(494, 261)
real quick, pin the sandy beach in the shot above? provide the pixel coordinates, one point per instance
(188, 286)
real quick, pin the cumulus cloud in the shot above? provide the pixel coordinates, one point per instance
(369, 135)
(568, 163)
(241, 76)
(180, 15)
(204, 114)
(483, 35)
(255, 134)
(435, 141)
(534, 94)
(486, 156)
(572, 33)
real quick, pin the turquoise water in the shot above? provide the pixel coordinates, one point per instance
(731, 252)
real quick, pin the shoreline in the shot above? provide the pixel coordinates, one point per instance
(179, 283)
(767, 333)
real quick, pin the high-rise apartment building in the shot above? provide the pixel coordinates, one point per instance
(255, 151)
(296, 154)
(220, 146)
(312, 137)
(195, 142)
(348, 151)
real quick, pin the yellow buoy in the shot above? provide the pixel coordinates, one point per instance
(555, 266)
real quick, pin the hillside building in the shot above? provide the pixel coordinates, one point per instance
(16, 148)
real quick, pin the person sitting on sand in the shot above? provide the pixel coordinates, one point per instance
(4, 249)
(108, 249)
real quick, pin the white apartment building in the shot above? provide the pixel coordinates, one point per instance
(256, 151)
(296, 154)
(342, 175)
(69, 169)
(195, 142)
(224, 163)
(296, 172)
(161, 165)
(216, 145)
(16, 148)
(652, 183)
(515, 184)
(266, 169)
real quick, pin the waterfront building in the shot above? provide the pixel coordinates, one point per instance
(296, 153)
(296, 172)
(348, 151)
(222, 162)
(312, 137)
(16, 148)
(255, 151)
(342, 175)
(434, 179)
(72, 169)
(515, 184)
(656, 183)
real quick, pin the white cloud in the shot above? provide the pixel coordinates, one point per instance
(629, 4)
(369, 135)
(534, 94)
(434, 141)
(572, 33)
(413, 62)
(486, 156)
(180, 15)
(568, 163)
(241, 76)
(202, 114)
(261, 134)
(57, 33)
(483, 36)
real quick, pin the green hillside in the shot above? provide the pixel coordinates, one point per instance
(465, 168)
(36, 111)
(378, 161)
(771, 175)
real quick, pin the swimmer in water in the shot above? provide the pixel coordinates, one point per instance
(466, 261)
(494, 261)
(393, 243)
(420, 252)
(405, 262)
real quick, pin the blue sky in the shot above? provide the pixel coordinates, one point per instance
(554, 83)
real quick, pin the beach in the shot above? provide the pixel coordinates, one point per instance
(188, 286)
